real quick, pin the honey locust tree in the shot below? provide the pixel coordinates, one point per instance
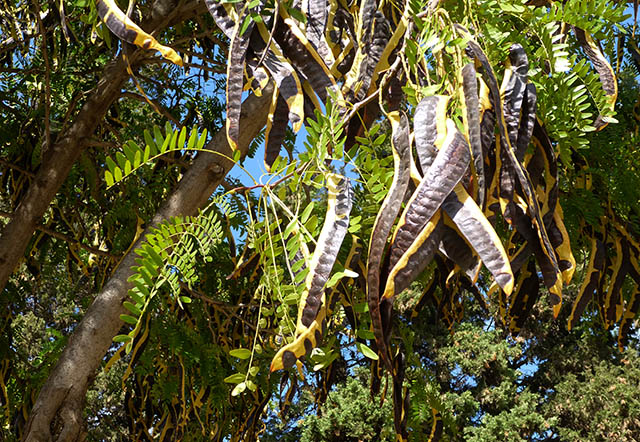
(444, 141)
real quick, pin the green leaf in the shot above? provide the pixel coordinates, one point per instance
(293, 245)
(158, 140)
(245, 25)
(311, 224)
(298, 15)
(202, 139)
(307, 211)
(173, 143)
(137, 159)
(121, 159)
(240, 353)
(129, 319)
(301, 276)
(291, 299)
(150, 267)
(251, 385)
(297, 265)
(511, 8)
(193, 138)
(240, 388)
(139, 292)
(167, 142)
(365, 334)
(154, 255)
(290, 227)
(334, 279)
(379, 140)
(111, 165)
(148, 139)
(132, 308)
(367, 351)
(122, 338)
(361, 307)
(108, 177)
(182, 138)
(130, 150)
(235, 378)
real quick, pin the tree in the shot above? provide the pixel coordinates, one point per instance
(361, 77)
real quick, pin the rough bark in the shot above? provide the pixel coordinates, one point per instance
(60, 157)
(62, 397)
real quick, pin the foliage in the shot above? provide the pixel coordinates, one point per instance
(492, 389)
(318, 267)
(349, 414)
(169, 257)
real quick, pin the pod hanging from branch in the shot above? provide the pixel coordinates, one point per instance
(529, 216)
(313, 303)
(471, 119)
(125, 29)
(384, 223)
(235, 74)
(590, 283)
(605, 71)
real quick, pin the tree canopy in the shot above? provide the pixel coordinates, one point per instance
(440, 241)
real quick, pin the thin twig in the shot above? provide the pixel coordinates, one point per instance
(71, 108)
(230, 189)
(67, 238)
(431, 6)
(206, 32)
(359, 105)
(18, 168)
(228, 309)
(201, 56)
(160, 85)
(47, 87)
(158, 106)
(270, 186)
(220, 70)
(207, 299)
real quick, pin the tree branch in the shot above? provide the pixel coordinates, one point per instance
(159, 107)
(67, 238)
(18, 168)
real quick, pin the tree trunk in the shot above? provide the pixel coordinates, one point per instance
(62, 397)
